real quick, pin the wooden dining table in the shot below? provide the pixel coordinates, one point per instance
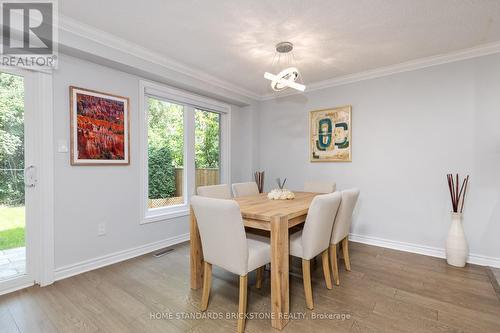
(277, 217)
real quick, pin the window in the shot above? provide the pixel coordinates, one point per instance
(207, 148)
(165, 153)
(184, 145)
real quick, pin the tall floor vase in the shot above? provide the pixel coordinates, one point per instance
(457, 249)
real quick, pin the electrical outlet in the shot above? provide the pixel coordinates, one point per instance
(101, 229)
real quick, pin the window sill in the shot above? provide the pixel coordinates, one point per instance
(164, 216)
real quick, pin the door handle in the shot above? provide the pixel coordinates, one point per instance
(30, 176)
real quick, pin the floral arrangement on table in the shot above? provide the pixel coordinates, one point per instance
(281, 193)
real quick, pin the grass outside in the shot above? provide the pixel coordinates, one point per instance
(12, 227)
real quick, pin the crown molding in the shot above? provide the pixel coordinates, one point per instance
(474, 52)
(77, 28)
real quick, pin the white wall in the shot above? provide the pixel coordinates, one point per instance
(242, 144)
(88, 195)
(409, 130)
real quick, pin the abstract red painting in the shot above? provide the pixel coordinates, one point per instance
(99, 128)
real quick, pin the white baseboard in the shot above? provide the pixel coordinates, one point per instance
(109, 259)
(15, 283)
(16, 288)
(481, 260)
(422, 249)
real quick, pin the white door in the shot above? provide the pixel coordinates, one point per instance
(19, 161)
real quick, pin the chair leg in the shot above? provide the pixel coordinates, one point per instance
(242, 307)
(260, 274)
(345, 250)
(335, 266)
(312, 264)
(306, 277)
(207, 283)
(326, 269)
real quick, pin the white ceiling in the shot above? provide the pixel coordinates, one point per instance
(234, 40)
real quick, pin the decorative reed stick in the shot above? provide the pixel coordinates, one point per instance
(259, 179)
(457, 192)
(463, 197)
(280, 184)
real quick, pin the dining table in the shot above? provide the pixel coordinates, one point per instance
(276, 217)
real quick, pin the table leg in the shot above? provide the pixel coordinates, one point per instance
(196, 253)
(280, 301)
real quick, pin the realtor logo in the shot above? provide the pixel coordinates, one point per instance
(28, 34)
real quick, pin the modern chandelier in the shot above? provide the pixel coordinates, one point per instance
(287, 78)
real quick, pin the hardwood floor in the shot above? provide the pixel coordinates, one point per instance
(494, 274)
(386, 291)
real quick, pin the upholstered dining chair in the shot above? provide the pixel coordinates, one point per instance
(245, 189)
(320, 187)
(340, 232)
(221, 191)
(315, 239)
(238, 254)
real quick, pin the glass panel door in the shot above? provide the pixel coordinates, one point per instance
(207, 148)
(12, 182)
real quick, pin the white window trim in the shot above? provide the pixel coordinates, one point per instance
(191, 102)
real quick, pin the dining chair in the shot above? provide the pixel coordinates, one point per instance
(340, 232)
(320, 187)
(221, 191)
(315, 239)
(238, 254)
(245, 189)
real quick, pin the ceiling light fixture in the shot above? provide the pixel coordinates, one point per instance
(286, 78)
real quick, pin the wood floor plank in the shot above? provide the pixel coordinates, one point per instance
(468, 319)
(123, 300)
(384, 323)
(62, 312)
(401, 278)
(437, 265)
(28, 315)
(104, 317)
(7, 322)
(404, 310)
(494, 275)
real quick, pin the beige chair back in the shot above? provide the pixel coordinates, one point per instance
(344, 215)
(320, 187)
(319, 224)
(215, 191)
(245, 189)
(222, 233)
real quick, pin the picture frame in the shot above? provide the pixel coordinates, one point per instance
(99, 128)
(331, 134)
